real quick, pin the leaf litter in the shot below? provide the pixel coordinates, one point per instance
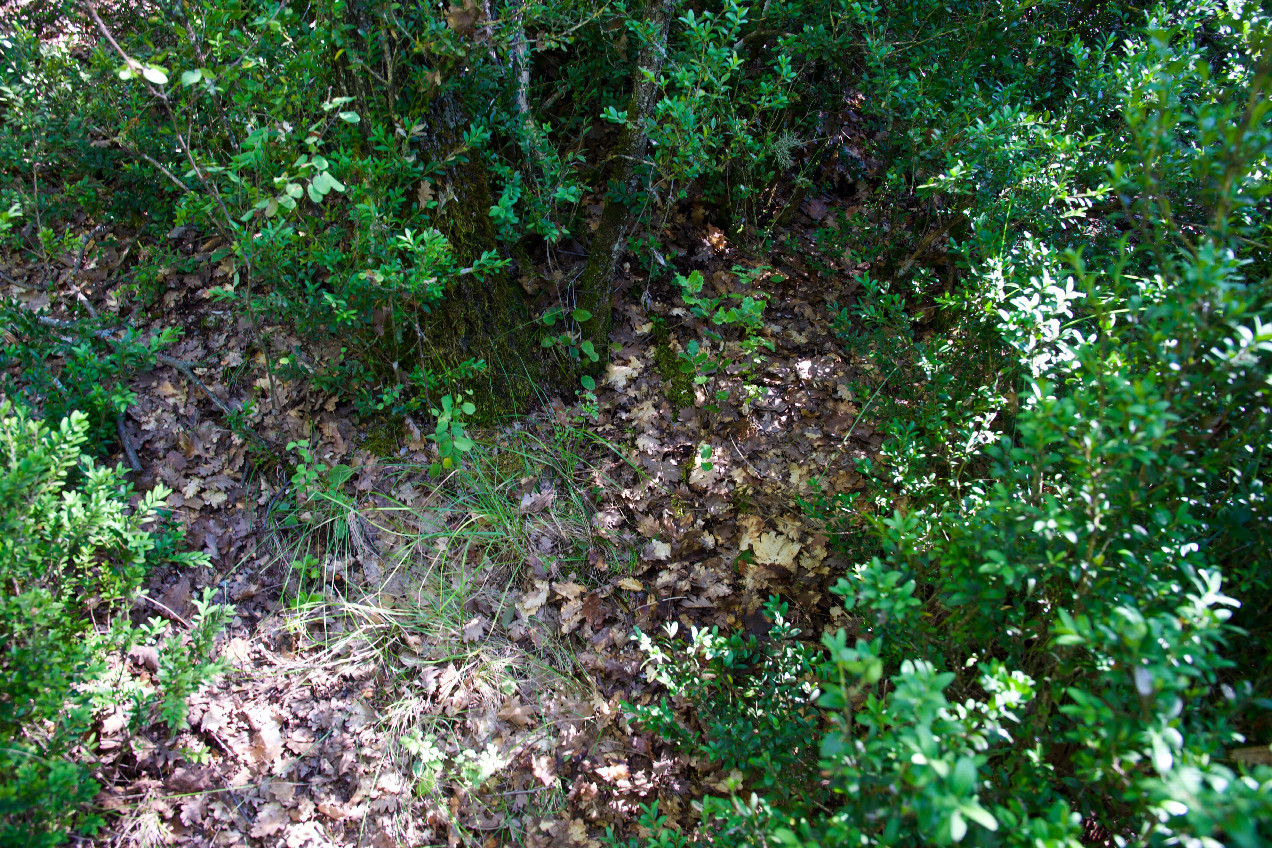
(452, 668)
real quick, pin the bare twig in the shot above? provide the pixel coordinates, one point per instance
(130, 453)
(26, 286)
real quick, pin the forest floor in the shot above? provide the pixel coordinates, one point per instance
(419, 661)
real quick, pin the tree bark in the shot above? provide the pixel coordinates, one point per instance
(481, 319)
(595, 291)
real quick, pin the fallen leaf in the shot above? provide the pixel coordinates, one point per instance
(532, 601)
(656, 551)
(775, 549)
(474, 629)
(271, 819)
(516, 712)
(615, 773)
(267, 740)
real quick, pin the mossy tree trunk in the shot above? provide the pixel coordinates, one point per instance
(487, 319)
(595, 290)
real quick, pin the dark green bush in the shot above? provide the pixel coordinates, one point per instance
(73, 556)
(1047, 646)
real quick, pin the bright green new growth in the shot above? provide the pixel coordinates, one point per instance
(73, 556)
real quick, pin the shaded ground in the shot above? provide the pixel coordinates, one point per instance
(421, 661)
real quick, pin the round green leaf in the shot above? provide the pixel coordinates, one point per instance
(469, 408)
(588, 383)
(582, 315)
(189, 78)
(321, 182)
(350, 117)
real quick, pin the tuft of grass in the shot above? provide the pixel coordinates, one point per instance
(420, 578)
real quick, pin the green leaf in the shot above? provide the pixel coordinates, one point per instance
(189, 78)
(588, 383)
(980, 815)
(314, 194)
(321, 163)
(468, 407)
(963, 780)
(155, 74)
(339, 475)
(581, 315)
(349, 117)
(322, 183)
(590, 351)
(958, 827)
(463, 443)
(547, 341)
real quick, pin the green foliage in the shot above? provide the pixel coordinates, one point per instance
(1071, 511)
(73, 557)
(60, 370)
(761, 719)
(449, 436)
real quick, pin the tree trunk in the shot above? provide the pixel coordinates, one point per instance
(595, 290)
(485, 319)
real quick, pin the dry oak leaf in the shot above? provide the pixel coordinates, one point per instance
(617, 374)
(571, 615)
(775, 549)
(656, 551)
(271, 819)
(267, 740)
(516, 712)
(474, 629)
(543, 767)
(569, 590)
(533, 600)
(631, 584)
(614, 773)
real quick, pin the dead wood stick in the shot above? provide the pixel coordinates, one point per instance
(130, 453)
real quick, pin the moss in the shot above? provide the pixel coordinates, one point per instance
(677, 385)
(382, 438)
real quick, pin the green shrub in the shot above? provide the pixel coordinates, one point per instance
(73, 556)
(1063, 542)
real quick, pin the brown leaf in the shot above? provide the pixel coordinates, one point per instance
(462, 18)
(614, 773)
(516, 712)
(532, 601)
(474, 629)
(271, 819)
(592, 610)
(267, 740)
